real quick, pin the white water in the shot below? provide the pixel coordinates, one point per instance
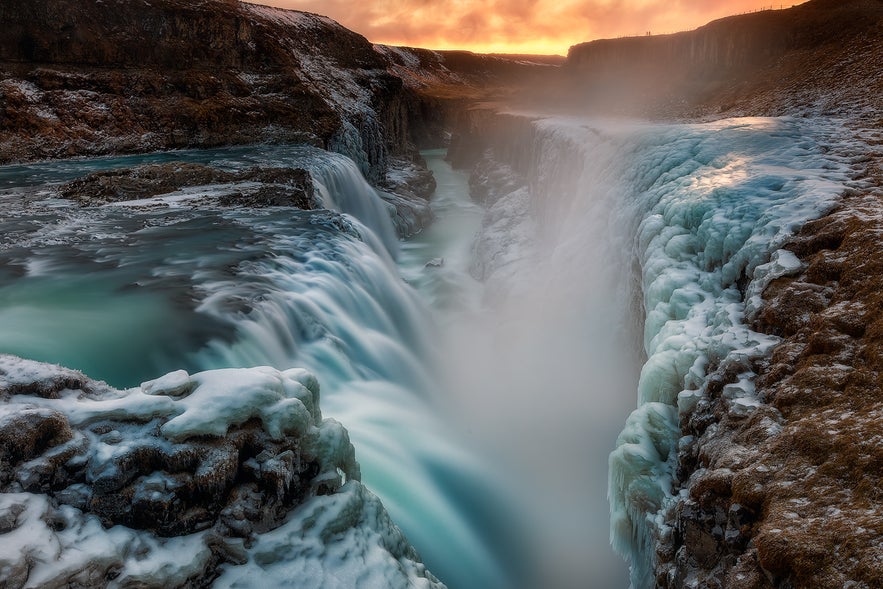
(534, 373)
(211, 289)
(693, 208)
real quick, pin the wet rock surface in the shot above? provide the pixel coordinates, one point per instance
(256, 187)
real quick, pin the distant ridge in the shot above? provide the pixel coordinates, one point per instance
(734, 62)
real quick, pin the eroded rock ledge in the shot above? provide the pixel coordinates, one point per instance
(256, 187)
(227, 474)
(789, 494)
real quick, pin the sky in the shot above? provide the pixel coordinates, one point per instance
(517, 26)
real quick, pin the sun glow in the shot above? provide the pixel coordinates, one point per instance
(517, 26)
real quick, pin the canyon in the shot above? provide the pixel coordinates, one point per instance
(752, 458)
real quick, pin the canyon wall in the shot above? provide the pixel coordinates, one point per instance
(98, 77)
(776, 487)
(767, 62)
(101, 77)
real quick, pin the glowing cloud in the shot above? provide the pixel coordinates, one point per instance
(517, 26)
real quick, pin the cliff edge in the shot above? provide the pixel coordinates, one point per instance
(98, 77)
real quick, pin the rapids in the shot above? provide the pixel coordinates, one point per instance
(482, 412)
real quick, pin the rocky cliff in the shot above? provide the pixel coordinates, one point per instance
(97, 77)
(767, 62)
(109, 76)
(450, 82)
(185, 481)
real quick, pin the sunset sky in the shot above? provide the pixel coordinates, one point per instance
(516, 26)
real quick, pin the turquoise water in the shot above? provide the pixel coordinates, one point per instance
(127, 294)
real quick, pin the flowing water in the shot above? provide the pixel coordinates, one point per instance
(126, 294)
(482, 414)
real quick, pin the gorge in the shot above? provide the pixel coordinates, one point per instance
(548, 305)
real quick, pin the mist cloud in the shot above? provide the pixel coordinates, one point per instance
(542, 26)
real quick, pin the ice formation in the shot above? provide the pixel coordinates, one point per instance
(700, 211)
(703, 209)
(230, 476)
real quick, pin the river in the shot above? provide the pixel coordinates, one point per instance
(483, 412)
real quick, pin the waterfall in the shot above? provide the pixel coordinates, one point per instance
(617, 274)
(699, 211)
(342, 188)
(127, 294)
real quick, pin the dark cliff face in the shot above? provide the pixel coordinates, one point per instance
(448, 83)
(722, 63)
(92, 76)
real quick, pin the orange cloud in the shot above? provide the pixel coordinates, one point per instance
(517, 26)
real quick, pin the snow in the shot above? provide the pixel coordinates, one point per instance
(341, 539)
(338, 541)
(316, 549)
(227, 397)
(782, 263)
(172, 384)
(338, 84)
(704, 209)
(295, 18)
(192, 196)
(26, 89)
(409, 60)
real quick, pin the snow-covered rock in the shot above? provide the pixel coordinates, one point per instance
(227, 476)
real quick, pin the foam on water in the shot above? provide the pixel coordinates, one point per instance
(280, 288)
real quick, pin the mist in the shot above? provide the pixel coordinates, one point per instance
(540, 370)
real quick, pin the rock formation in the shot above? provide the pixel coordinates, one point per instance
(257, 187)
(788, 497)
(181, 481)
(817, 58)
(101, 77)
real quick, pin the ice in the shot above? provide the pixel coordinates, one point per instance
(339, 535)
(715, 204)
(701, 212)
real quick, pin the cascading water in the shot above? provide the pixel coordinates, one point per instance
(699, 211)
(624, 228)
(125, 294)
